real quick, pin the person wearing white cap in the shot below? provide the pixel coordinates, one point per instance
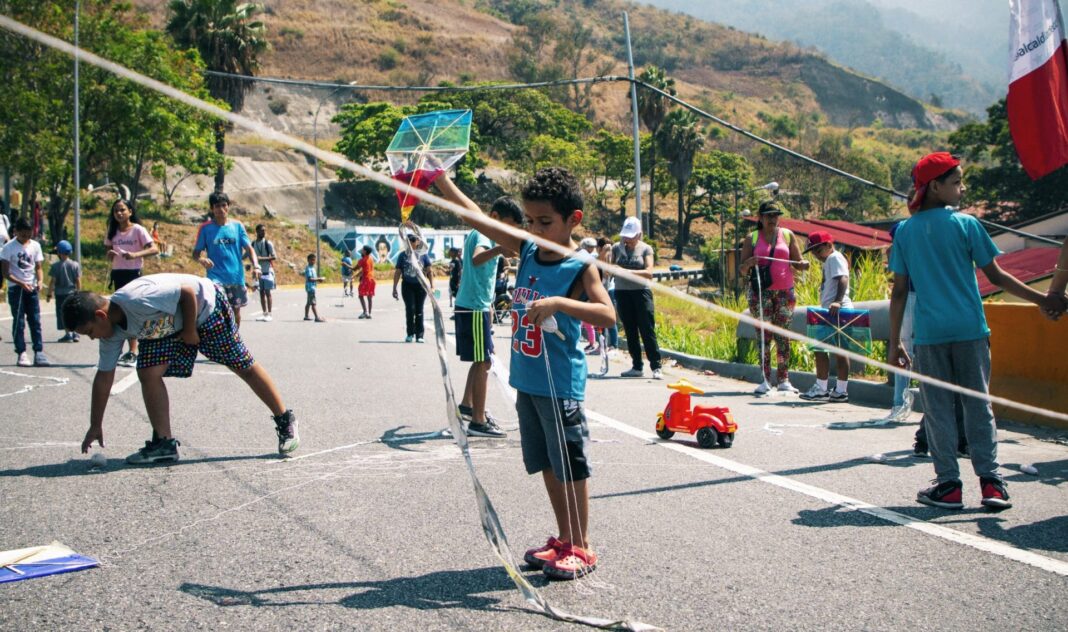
(635, 300)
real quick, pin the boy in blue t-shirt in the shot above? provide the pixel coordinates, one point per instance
(221, 244)
(474, 300)
(311, 277)
(548, 367)
(938, 249)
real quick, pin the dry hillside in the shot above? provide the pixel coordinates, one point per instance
(735, 74)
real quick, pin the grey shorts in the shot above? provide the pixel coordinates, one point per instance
(237, 295)
(539, 434)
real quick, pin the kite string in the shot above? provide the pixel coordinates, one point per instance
(463, 213)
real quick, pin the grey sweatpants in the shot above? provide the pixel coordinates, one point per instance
(965, 364)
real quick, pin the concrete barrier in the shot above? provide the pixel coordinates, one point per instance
(1029, 361)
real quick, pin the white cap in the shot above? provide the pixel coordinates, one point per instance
(631, 228)
(588, 242)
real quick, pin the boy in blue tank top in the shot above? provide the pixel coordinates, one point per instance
(548, 366)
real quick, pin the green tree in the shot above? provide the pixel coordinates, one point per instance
(680, 138)
(652, 108)
(994, 176)
(717, 176)
(615, 153)
(123, 127)
(229, 39)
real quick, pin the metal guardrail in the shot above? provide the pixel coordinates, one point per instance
(697, 273)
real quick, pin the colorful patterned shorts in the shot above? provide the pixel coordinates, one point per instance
(236, 295)
(219, 342)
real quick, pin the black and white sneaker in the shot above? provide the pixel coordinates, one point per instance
(815, 394)
(488, 429)
(155, 451)
(838, 396)
(128, 359)
(286, 427)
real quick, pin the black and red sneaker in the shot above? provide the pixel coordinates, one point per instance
(995, 496)
(946, 495)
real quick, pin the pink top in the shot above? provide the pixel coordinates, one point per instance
(133, 239)
(782, 276)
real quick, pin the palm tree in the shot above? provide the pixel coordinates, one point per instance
(680, 138)
(229, 40)
(652, 108)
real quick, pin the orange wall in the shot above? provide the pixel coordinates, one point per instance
(1029, 361)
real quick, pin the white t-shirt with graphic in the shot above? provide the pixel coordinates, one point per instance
(152, 312)
(22, 259)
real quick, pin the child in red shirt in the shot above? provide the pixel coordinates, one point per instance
(365, 270)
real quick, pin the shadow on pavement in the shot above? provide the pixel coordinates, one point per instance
(81, 467)
(433, 591)
(1045, 535)
(396, 440)
(893, 459)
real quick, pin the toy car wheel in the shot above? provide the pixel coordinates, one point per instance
(662, 429)
(706, 438)
(726, 440)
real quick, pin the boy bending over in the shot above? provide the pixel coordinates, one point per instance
(174, 316)
(548, 370)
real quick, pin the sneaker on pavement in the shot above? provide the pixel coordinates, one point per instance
(995, 496)
(572, 562)
(24, 359)
(67, 337)
(945, 495)
(919, 449)
(763, 389)
(475, 429)
(128, 359)
(262, 318)
(786, 387)
(419, 339)
(40, 359)
(542, 555)
(658, 374)
(815, 394)
(286, 427)
(633, 373)
(156, 451)
(268, 318)
(962, 451)
(409, 338)
(838, 396)
(75, 337)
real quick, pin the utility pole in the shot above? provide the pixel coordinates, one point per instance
(77, 144)
(634, 120)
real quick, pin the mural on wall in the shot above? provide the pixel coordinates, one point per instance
(385, 242)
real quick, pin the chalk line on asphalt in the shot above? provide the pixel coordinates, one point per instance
(129, 380)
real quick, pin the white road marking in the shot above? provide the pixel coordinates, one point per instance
(43, 314)
(978, 542)
(124, 383)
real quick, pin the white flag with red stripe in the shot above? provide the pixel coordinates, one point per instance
(1038, 86)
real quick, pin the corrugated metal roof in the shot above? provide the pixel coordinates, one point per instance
(844, 233)
(1027, 265)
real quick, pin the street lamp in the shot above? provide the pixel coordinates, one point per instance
(771, 186)
(315, 139)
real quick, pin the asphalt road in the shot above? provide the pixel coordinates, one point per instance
(374, 525)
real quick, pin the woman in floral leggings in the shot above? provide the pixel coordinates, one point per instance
(776, 249)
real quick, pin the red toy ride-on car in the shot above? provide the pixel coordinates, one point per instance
(711, 424)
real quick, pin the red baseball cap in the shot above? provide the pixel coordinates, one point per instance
(928, 168)
(818, 238)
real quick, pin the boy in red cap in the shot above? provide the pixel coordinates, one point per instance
(834, 295)
(938, 249)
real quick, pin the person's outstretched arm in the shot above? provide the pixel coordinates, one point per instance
(1011, 284)
(481, 222)
(101, 392)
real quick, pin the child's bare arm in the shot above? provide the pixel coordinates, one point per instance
(597, 310)
(1011, 284)
(187, 302)
(481, 223)
(100, 392)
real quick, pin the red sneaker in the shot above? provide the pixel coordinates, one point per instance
(573, 562)
(995, 496)
(542, 555)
